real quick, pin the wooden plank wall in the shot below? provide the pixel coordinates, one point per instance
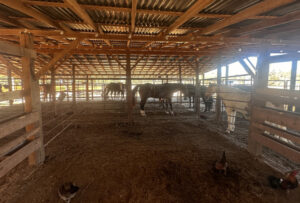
(272, 125)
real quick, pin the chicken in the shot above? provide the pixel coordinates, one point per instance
(67, 191)
(221, 166)
(288, 182)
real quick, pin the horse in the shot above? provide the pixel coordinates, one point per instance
(61, 96)
(191, 94)
(160, 91)
(47, 89)
(114, 89)
(234, 100)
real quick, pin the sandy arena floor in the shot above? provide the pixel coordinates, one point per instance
(158, 159)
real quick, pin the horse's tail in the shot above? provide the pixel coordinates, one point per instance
(135, 89)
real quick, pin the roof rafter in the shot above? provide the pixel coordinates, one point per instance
(18, 5)
(254, 10)
(57, 57)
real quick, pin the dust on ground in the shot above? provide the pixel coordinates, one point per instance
(159, 158)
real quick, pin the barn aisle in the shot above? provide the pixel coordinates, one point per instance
(158, 159)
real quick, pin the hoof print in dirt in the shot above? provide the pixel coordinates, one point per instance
(67, 191)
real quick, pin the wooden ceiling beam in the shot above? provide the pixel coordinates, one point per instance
(294, 16)
(143, 11)
(19, 6)
(124, 37)
(191, 12)
(57, 57)
(78, 10)
(10, 66)
(254, 10)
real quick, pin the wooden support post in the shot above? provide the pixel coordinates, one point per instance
(9, 81)
(218, 100)
(53, 91)
(197, 89)
(32, 98)
(68, 91)
(260, 81)
(128, 89)
(293, 79)
(167, 79)
(92, 81)
(73, 88)
(87, 88)
(180, 81)
(226, 76)
(203, 79)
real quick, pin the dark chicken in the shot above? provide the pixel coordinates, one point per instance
(67, 191)
(221, 166)
(288, 182)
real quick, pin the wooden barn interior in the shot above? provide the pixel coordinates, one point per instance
(65, 137)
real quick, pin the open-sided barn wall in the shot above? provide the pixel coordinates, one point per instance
(22, 135)
(138, 39)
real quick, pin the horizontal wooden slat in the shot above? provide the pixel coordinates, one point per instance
(290, 120)
(18, 123)
(10, 162)
(292, 94)
(282, 133)
(286, 151)
(11, 95)
(12, 144)
(15, 50)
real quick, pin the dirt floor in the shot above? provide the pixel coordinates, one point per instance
(159, 158)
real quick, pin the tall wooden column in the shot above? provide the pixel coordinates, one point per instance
(53, 91)
(128, 89)
(203, 79)
(92, 81)
(32, 98)
(218, 100)
(87, 88)
(180, 81)
(197, 88)
(226, 76)
(73, 88)
(9, 81)
(260, 81)
(293, 79)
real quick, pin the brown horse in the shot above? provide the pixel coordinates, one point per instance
(191, 94)
(47, 89)
(160, 91)
(114, 89)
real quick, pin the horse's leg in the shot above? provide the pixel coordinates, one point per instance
(142, 106)
(233, 114)
(229, 120)
(167, 106)
(171, 107)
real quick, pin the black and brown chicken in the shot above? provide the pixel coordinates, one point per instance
(67, 191)
(221, 166)
(288, 182)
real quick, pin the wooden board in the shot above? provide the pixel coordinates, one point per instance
(282, 133)
(10, 162)
(15, 50)
(293, 94)
(290, 120)
(11, 95)
(12, 144)
(286, 151)
(18, 123)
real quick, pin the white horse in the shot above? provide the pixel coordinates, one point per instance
(234, 100)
